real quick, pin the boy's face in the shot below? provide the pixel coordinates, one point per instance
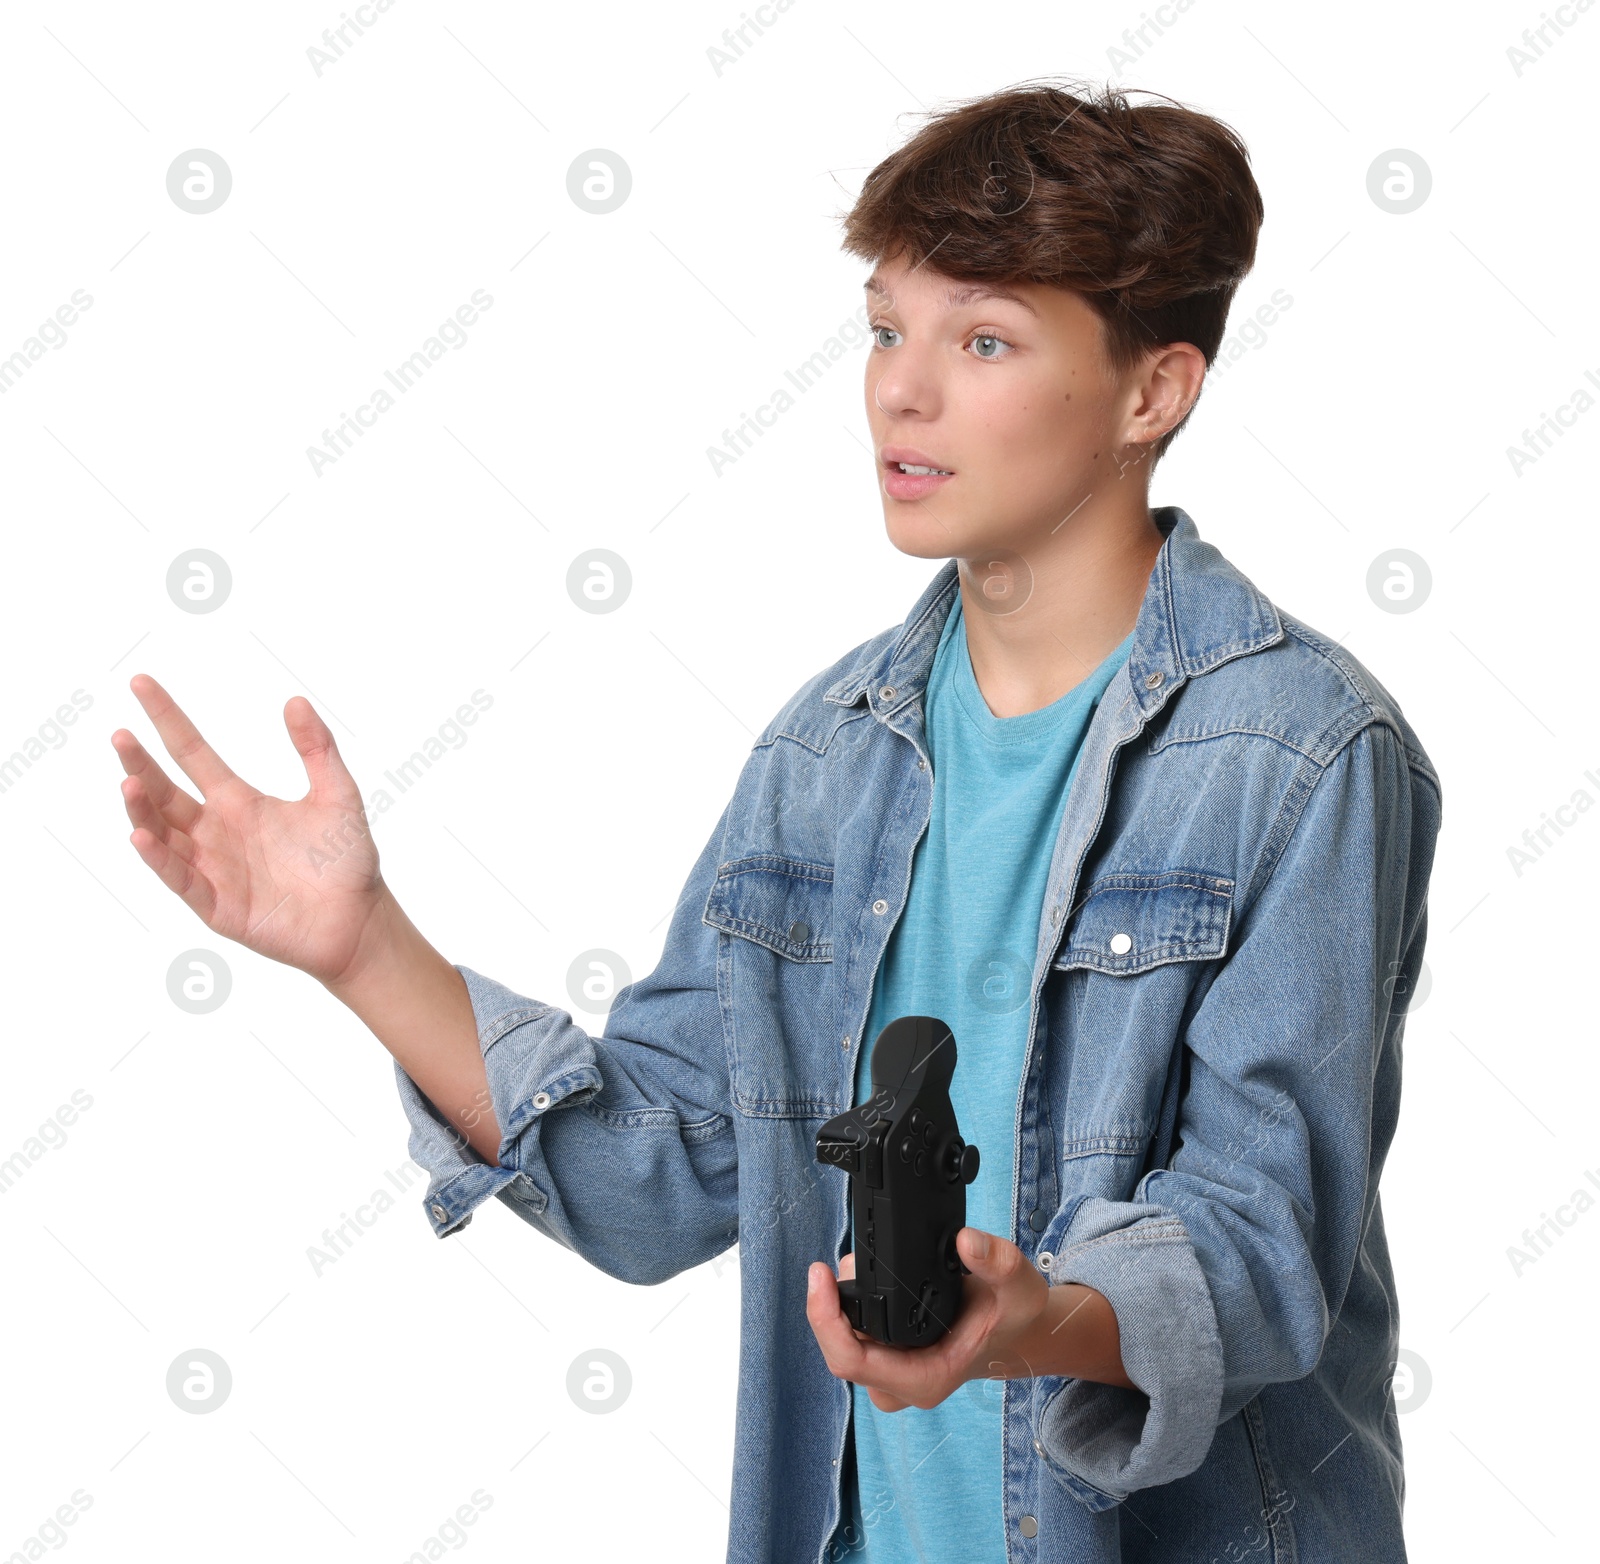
(1010, 395)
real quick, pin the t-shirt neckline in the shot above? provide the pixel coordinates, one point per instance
(1026, 726)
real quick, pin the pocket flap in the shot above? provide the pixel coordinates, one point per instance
(783, 903)
(1129, 923)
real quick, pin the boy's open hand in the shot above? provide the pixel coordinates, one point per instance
(293, 880)
(1004, 1297)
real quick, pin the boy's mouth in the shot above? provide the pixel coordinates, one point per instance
(912, 475)
(906, 458)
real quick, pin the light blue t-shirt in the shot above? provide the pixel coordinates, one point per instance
(928, 1480)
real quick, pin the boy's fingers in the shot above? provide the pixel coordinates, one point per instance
(196, 759)
(142, 812)
(889, 1372)
(165, 794)
(178, 876)
(312, 737)
(843, 1349)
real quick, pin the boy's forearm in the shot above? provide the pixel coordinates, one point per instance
(1075, 1336)
(416, 1004)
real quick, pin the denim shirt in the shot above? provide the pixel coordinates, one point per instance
(1233, 919)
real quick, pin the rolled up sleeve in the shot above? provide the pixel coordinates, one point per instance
(620, 1147)
(1229, 1265)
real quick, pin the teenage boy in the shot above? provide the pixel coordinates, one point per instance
(1155, 850)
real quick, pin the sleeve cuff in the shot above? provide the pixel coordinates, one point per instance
(530, 1070)
(1105, 1441)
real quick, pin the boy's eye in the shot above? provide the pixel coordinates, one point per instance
(993, 342)
(985, 344)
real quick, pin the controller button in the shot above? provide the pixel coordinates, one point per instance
(905, 1149)
(930, 1133)
(920, 1166)
(914, 1123)
(875, 1317)
(969, 1164)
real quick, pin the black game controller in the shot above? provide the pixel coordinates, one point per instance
(909, 1172)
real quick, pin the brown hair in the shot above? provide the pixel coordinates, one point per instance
(1148, 211)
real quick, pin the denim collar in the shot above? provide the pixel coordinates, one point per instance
(1198, 612)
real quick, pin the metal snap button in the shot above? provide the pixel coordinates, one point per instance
(438, 1211)
(799, 932)
(1038, 1449)
(1153, 679)
(880, 906)
(1028, 1526)
(922, 765)
(887, 692)
(1046, 1259)
(1121, 944)
(1038, 1220)
(541, 1100)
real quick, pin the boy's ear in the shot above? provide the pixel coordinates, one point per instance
(1166, 391)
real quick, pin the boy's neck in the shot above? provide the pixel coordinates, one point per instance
(1087, 586)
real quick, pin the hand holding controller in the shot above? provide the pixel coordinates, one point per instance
(909, 1172)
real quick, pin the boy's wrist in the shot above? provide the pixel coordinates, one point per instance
(1074, 1336)
(383, 933)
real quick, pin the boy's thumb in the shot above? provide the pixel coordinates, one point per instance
(975, 1244)
(311, 736)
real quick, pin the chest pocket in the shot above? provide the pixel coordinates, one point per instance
(775, 978)
(1120, 1030)
(1129, 923)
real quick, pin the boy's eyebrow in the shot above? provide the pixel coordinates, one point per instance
(967, 294)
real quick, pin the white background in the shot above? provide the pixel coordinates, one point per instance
(368, 203)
